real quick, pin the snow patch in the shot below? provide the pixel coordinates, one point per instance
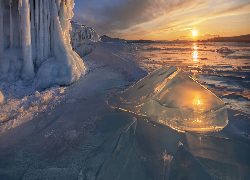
(14, 112)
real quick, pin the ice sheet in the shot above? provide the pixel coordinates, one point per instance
(184, 165)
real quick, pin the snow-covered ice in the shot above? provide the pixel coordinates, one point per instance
(15, 112)
(112, 55)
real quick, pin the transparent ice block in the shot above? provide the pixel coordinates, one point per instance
(171, 97)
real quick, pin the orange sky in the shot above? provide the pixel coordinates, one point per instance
(165, 19)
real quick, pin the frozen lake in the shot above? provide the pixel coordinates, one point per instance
(84, 138)
(226, 74)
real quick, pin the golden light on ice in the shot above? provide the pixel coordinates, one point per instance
(195, 53)
(197, 100)
(194, 32)
(195, 56)
(195, 47)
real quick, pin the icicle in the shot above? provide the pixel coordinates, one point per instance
(11, 26)
(1, 28)
(33, 38)
(38, 58)
(59, 45)
(41, 34)
(20, 29)
(28, 69)
(45, 30)
(58, 2)
(48, 26)
(52, 27)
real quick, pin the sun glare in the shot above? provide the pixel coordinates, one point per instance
(194, 32)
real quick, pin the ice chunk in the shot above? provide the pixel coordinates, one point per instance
(184, 165)
(83, 38)
(224, 50)
(170, 97)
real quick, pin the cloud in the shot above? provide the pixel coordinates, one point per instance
(211, 35)
(125, 18)
(238, 9)
(127, 13)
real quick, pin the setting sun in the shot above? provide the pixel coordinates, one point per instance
(194, 32)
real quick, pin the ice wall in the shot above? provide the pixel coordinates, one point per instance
(83, 38)
(35, 40)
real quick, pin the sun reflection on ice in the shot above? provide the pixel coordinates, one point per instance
(197, 101)
(195, 53)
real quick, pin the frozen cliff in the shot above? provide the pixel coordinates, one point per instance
(83, 38)
(35, 42)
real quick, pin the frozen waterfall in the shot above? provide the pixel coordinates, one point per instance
(35, 41)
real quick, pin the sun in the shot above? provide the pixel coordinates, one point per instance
(194, 32)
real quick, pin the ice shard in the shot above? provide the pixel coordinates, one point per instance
(171, 97)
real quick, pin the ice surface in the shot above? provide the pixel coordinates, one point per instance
(33, 31)
(110, 54)
(184, 165)
(137, 149)
(233, 150)
(170, 97)
(119, 145)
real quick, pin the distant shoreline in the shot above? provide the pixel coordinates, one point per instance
(242, 38)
